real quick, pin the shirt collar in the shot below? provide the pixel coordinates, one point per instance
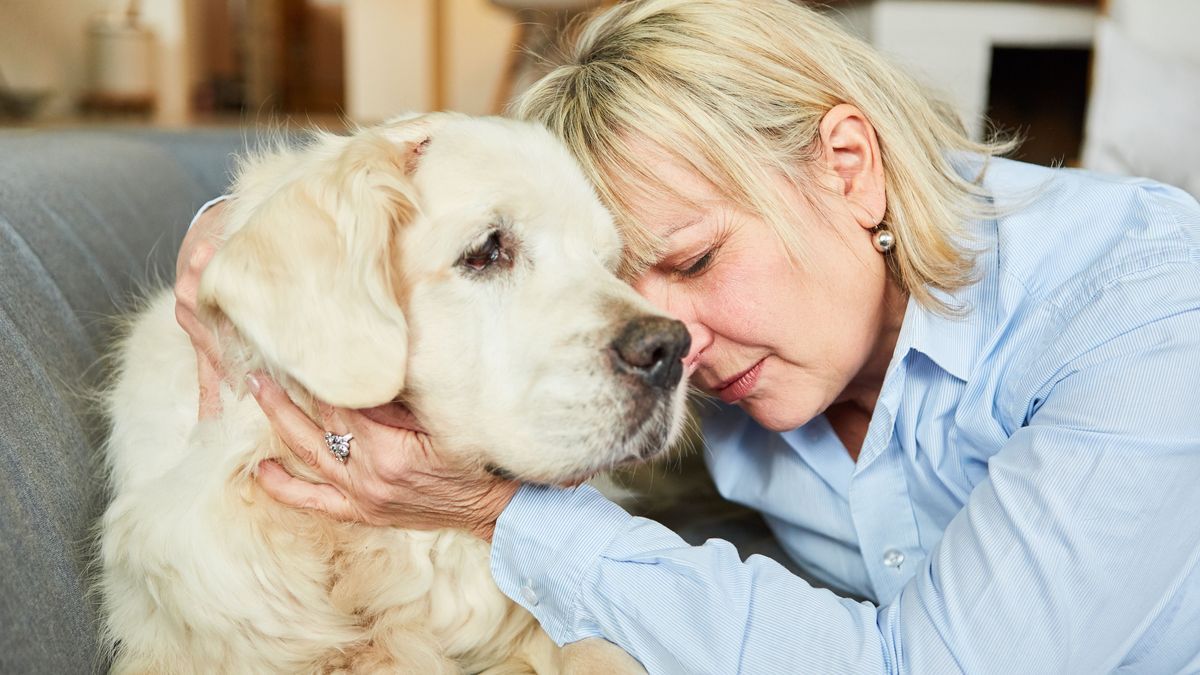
(954, 343)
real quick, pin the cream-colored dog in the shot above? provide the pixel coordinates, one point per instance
(462, 266)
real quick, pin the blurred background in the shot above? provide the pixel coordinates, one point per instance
(1113, 84)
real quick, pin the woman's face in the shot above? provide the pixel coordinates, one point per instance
(782, 340)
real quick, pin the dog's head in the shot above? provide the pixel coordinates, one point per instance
(464, 267)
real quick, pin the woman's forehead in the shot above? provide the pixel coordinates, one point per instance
(663, 191)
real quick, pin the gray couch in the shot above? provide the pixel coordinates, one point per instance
(87, 218)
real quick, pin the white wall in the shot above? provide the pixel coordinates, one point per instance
(948, 43)
(1170, 26)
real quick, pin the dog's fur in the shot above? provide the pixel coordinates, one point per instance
(343, 277)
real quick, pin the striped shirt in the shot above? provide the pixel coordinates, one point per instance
(1026, 500)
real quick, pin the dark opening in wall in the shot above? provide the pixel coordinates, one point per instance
(1041, 93)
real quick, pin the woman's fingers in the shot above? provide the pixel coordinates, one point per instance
(196, 251)
(395, 444)
(393, 476)
(392, 415)
(287, 489)
(210, 388)
(186, 289)
(208, 368)
(190, 265)
(207, 228)
(303, 437)
(202, 339)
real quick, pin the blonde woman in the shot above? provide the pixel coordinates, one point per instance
(963, 388)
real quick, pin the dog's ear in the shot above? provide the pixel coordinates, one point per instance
(309, 276)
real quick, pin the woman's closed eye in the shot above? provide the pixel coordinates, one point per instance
(701, 262)
(696, 266)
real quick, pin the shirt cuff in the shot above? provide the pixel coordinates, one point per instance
(547, 541)
(207, 205)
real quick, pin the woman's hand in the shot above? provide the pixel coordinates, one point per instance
(197, 249)
(393, 476)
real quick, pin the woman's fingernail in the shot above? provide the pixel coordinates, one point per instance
(253, 383)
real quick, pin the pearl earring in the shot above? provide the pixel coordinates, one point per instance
(883, 240)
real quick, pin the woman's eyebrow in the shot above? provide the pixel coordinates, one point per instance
(684, 226)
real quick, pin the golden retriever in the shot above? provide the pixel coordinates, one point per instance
(462, 266)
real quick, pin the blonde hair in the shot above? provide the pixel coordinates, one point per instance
(736, 89)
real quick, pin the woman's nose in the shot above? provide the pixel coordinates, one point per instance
(700, 339)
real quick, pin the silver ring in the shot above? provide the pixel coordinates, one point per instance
(339, 446)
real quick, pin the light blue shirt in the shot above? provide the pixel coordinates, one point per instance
(1027, 499)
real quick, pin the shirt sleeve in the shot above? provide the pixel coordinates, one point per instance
(584, 568)
(1064, 555)
(1084, 529)
(207, 205)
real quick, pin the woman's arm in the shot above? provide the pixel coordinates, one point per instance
(585, 568)
(199, 244)
(1079, 539)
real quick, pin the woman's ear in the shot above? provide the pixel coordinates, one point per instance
(310, 280)
(851, 157)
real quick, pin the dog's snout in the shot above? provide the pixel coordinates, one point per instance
(652, 348)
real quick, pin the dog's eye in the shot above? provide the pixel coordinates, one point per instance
(491, 253)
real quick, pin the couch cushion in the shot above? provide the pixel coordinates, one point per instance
(86, 219)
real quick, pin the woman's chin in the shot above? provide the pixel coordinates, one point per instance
(774, 417)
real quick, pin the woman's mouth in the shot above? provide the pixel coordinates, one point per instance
(741, 385)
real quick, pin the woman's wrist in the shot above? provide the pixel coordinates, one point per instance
(490, 506)
(208, 205)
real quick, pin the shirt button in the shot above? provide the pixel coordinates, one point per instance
(528, 594)
(893, 558)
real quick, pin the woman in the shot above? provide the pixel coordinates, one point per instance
(961, 387)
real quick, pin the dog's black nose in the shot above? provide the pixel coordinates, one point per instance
(652, 348)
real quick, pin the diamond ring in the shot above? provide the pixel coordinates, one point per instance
(339, 445)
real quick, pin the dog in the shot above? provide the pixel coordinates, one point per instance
(461, 266)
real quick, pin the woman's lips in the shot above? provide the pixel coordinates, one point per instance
(741, 385)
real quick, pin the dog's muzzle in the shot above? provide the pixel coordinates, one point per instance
(651, 348)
